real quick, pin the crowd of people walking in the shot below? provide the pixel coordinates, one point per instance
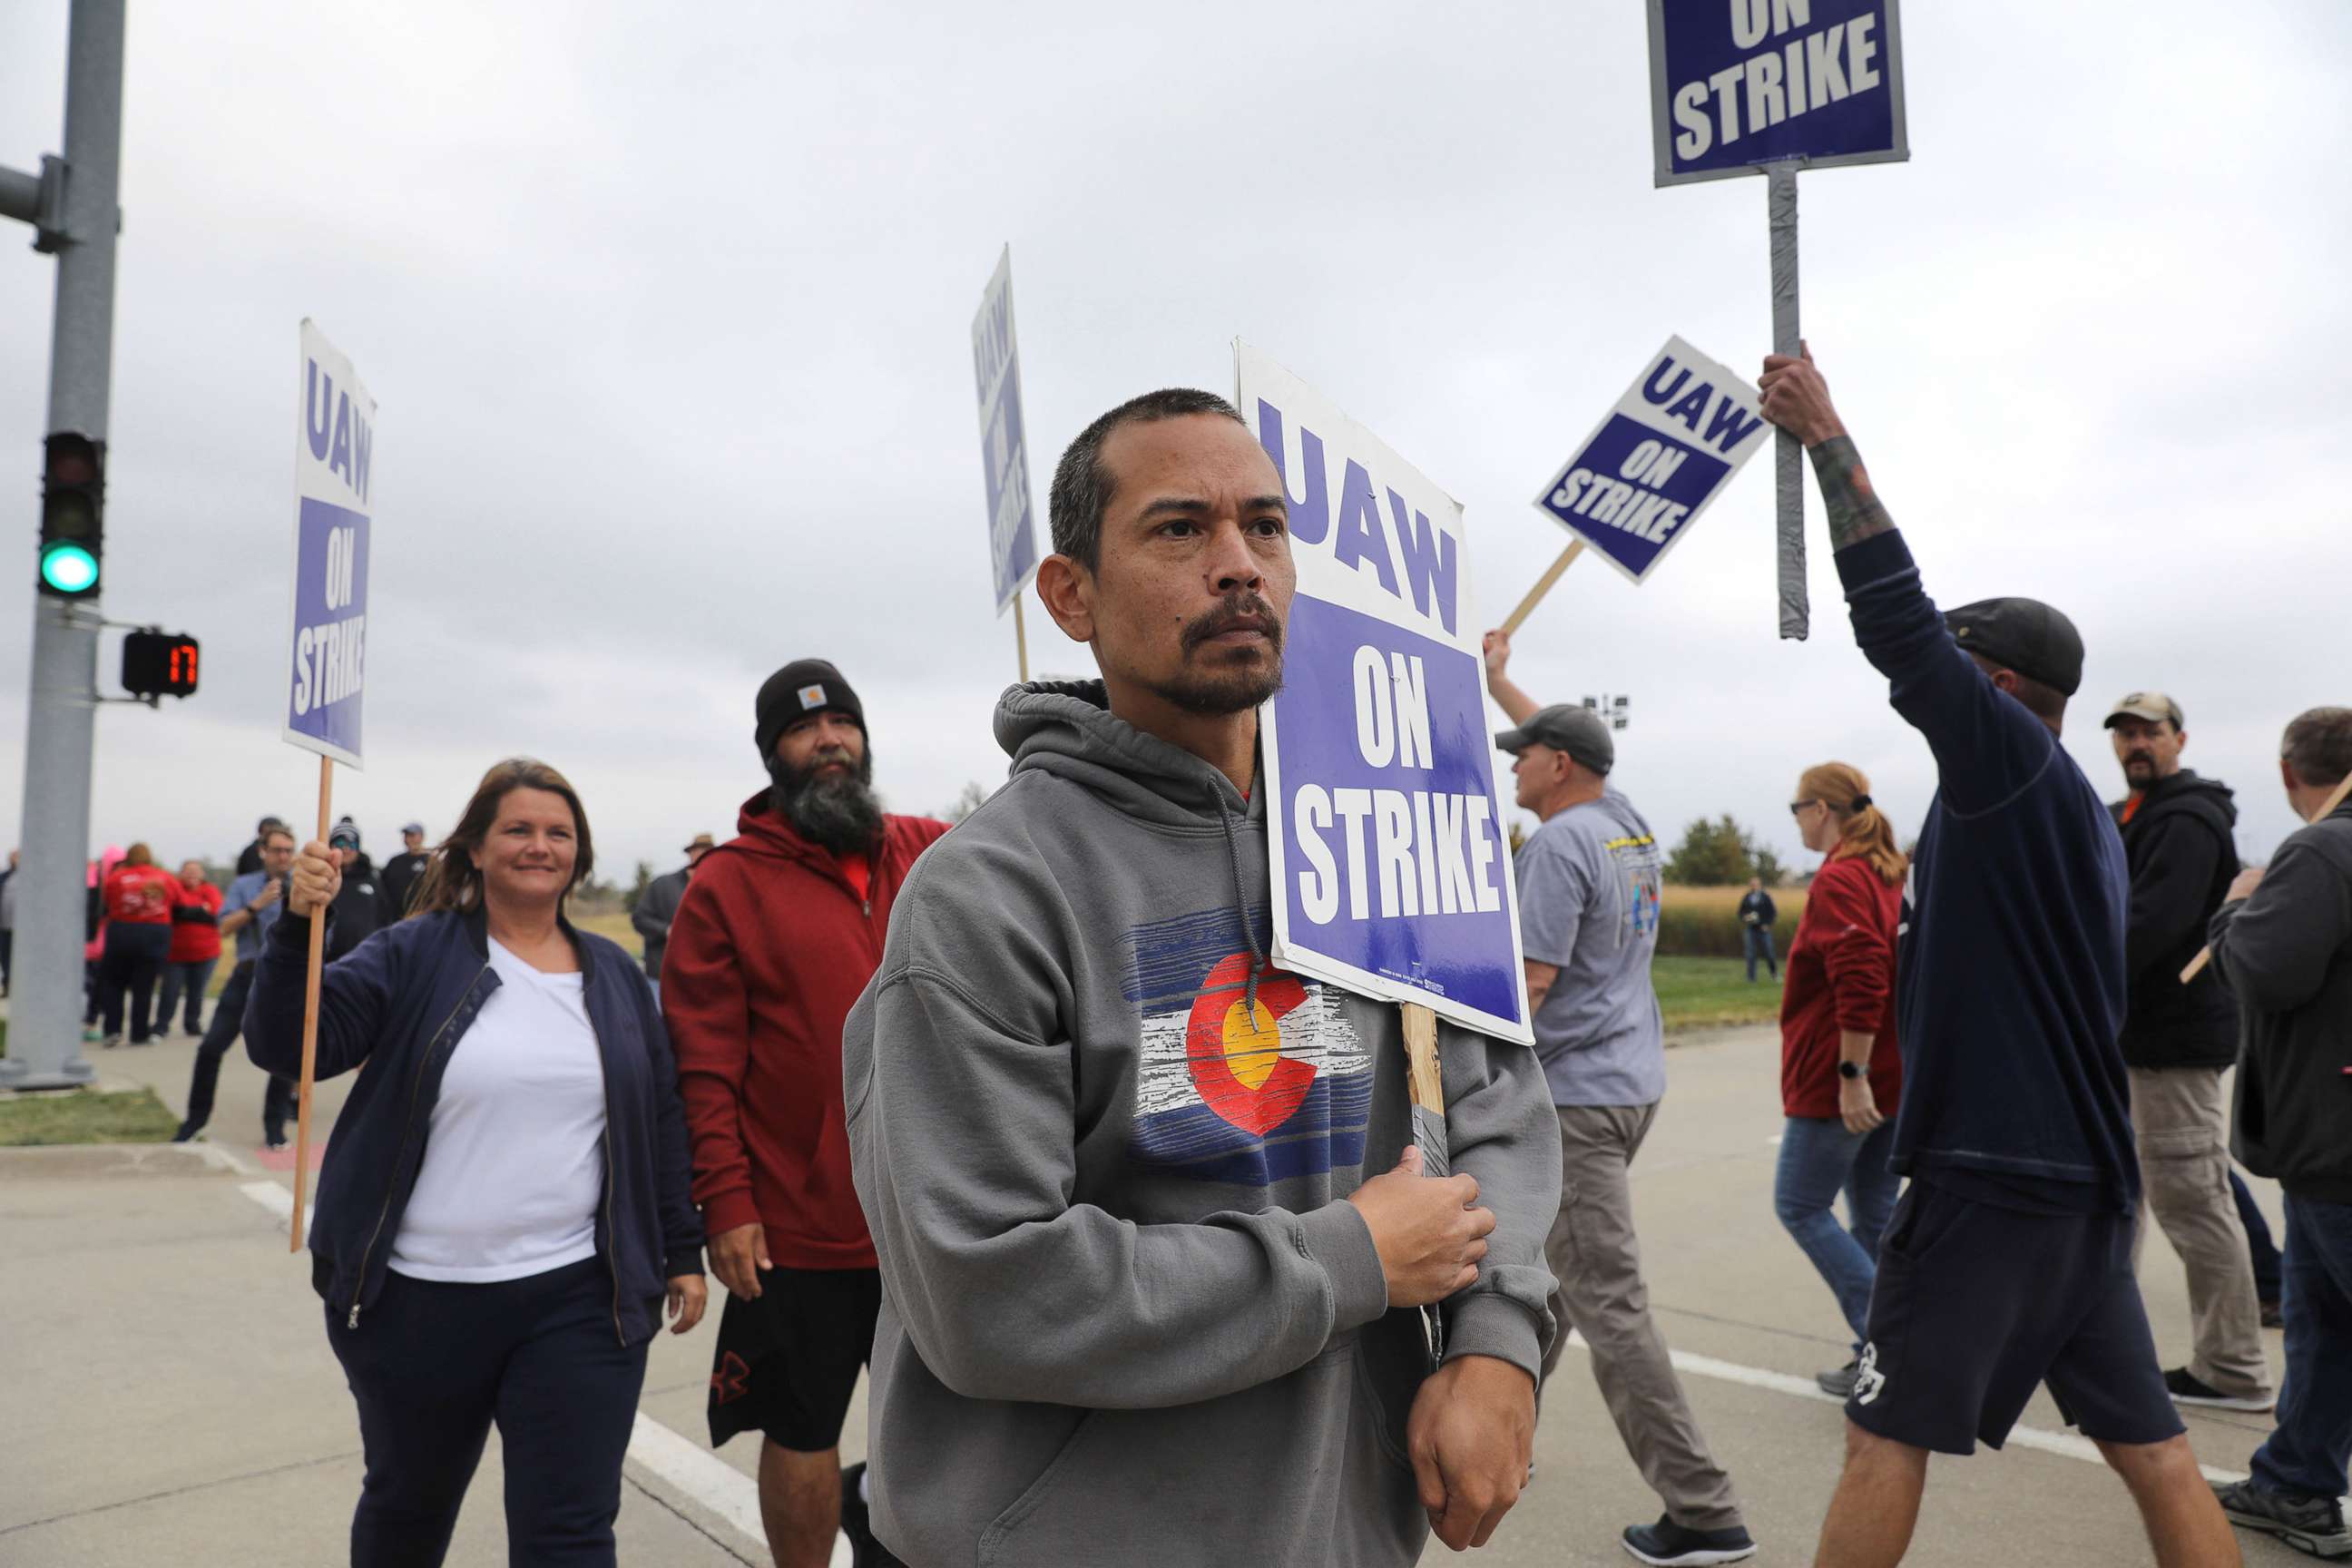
(1019, 1122)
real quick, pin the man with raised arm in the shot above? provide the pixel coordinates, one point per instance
(1150, 1220)
(2008, 1263)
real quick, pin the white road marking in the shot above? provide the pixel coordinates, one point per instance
(710, 1481)
(219, 1157)
(2037, 1437)
(685, 1467)
(276, 1199)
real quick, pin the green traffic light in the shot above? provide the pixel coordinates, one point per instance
(68, 569)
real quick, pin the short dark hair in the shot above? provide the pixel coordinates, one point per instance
(1082, 488)
(2319, 745)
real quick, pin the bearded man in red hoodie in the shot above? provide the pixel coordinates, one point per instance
(778, 933)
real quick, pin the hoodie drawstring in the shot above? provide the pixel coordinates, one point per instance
(1240, 910)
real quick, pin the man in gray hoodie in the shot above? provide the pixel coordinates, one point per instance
(1149, 1250)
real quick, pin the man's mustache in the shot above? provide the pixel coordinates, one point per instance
(1235, 611)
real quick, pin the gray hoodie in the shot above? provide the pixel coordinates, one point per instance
(1125, 1316)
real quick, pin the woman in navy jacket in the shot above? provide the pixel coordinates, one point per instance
(504, 1203)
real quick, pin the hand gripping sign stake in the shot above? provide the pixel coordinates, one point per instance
(334, 449)
(2327, 807)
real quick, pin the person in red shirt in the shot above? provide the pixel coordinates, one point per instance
(195, 947)
(138, 900)
(1840, 1070)
(777, 935)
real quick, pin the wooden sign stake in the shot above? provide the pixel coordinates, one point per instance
(310, 1022)
(2205, 954)
(1543, 586)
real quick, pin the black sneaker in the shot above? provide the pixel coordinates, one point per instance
(2187, 1390)
(273, 1141)
(186, 1135)
(1667, 1544)
(2273, 1315)
(865, 1552)
(1840, 1383)
(2314, 1525)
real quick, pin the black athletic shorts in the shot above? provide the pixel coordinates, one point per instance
(1975, 1303)
(788, 1363)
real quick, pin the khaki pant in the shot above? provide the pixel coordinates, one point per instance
(2181, 1125)
(1594, 1255)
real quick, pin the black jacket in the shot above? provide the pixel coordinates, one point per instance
(401, 1005)
(397, 881)
(1758, 904)
(2288, 954)
(2182, 859)
(358, 908)
(2009, 978)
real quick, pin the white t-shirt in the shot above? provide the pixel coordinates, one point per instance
(514, 1156)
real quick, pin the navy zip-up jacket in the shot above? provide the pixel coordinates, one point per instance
(2009, 973)
(400, 1004)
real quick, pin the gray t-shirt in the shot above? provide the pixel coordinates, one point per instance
(1589, 904)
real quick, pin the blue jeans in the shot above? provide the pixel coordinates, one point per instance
(2258, 1239)
(2308, 1450)
(1756, 940)
(1818, 1159)
(192, 975)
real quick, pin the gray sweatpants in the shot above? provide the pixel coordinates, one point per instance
(2182, 1129)
(1597, 1261)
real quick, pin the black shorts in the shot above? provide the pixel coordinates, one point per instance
(788, 1363)
(1975, 1304)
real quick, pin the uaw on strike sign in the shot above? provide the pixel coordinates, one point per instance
(1738, 84)
(335, 450)
(1667, 448)
(1391, 861)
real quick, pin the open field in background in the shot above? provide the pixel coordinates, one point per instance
(1695, 991)
(1704, 922)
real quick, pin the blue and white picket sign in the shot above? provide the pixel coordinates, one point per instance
(1003, 444)
(334, 449)
(1391, 859)
(1668, 448)
(1738, 84)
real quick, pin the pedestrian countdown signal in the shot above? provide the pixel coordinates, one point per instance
(158, 664)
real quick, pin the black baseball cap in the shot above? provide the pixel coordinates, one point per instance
(2027, 636)
(1580, 733)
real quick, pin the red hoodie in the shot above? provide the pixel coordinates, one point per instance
(771, 945)
(1841, 976)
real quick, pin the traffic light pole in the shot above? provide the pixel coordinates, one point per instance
(75, 216)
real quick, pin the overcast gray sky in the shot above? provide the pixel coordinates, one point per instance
(669, 324)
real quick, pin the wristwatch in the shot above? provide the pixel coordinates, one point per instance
(1851, 1069)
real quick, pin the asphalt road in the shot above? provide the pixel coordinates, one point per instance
(169, 1396)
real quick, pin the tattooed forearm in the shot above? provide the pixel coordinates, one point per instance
(1855, 511)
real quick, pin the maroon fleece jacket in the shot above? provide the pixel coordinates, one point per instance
(1841, 976)
(771, 946)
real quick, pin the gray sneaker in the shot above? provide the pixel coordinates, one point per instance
(2313, 1525)
(1839, 1383)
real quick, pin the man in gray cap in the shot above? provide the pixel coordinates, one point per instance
(1588, 880)
(2178, 1039)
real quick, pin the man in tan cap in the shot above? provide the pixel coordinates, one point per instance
(657, 905)
(2178, 1039)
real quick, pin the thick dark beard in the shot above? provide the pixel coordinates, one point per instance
(840, 814)
(1217, 693)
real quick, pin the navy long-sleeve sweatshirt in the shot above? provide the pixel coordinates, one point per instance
(2009, 973)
